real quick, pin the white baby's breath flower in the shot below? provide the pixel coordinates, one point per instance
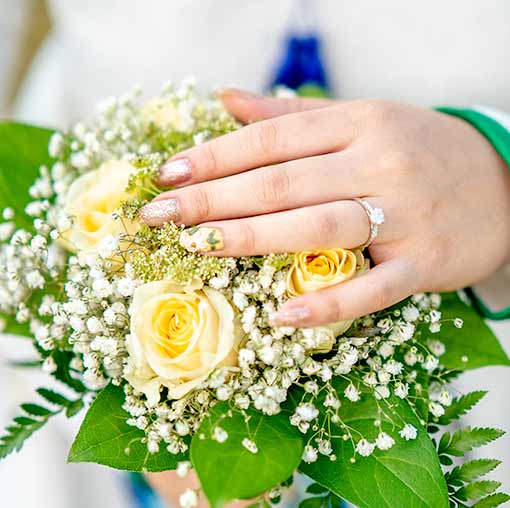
(352, 393)
(410, 313)
(220, 434)
(409, 432)
(364, 447)
(189, 499)
(310, 454)
(384, 441)
(250, 445)
(307, 412)
(183, 468)
(436, 409)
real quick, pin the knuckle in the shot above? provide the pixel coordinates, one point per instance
(209, 159)
(247, 239)
(325, 227)
(380, 294)
(265, 136)
(200, 204)
(273, 186)
(396, 160)
(375, 113)
(333, 310)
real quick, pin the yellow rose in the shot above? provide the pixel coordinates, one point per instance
(166, 114)
(179, 335)
(91, 201)
(315, 270)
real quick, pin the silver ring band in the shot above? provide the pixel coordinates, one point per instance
(375, 218)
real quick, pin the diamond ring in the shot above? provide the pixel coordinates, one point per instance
(375, 218)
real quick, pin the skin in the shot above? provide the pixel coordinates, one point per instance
(286, 181)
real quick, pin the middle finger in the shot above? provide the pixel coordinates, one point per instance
(294, 184)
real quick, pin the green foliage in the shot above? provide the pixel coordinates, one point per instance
(463, 480)
(461, 406)
(472, 346)
(23, 149)
(105, 438)
(409, 474)
(329, 500)
(471, 470)
(227, 470)
(35, 417)
(493, 500)
(466, 439)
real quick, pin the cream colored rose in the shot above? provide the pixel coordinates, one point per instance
(166, 114)
(179, 335)
(315, 270)
(91, 201)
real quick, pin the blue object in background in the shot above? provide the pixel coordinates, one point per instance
(300, 67)
(142, 494)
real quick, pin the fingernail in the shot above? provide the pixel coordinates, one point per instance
(291, 316)
(175, 172)
(227, 93)
(158, 213)
(198, 239)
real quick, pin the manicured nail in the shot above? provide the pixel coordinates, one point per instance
(175, 172)
(291, 316)
(228, 93)
(197, 239)
(158, 213)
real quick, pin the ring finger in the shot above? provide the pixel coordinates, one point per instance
(339, 224)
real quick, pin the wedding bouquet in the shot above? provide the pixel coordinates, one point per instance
(172, 353)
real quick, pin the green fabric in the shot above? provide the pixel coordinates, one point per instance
(499, 137)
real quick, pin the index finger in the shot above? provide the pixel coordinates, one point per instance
(287, 137)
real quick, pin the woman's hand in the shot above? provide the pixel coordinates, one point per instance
(286, 183)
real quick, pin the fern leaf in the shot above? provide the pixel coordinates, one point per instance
(472, 470)
(36, 410)
(14, 440)
(476, 490)
(466, 439)
(492, 501)
(54, 397)
(460, 406)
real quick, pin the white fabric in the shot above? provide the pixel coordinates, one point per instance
(427, 53)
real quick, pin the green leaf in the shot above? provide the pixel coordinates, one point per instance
(315, 488)
(476, 490)
(409, 474)
(314, 502)
(473, 469)
(472, 346)
(105, 437)
(54, 397)
(460, 406)
(23, 149)
(227, 470)
(492, 500)
(466, 439)
(74, 408)
(36, 410)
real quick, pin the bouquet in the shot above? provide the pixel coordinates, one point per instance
(172, 353)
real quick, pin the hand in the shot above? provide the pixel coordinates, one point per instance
(286, 183)
(170, 486)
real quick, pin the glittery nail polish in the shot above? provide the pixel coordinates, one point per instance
(158, 213)
(201, 239)
(290, 317)
(175, 172)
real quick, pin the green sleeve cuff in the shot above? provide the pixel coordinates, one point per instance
(499, 137)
